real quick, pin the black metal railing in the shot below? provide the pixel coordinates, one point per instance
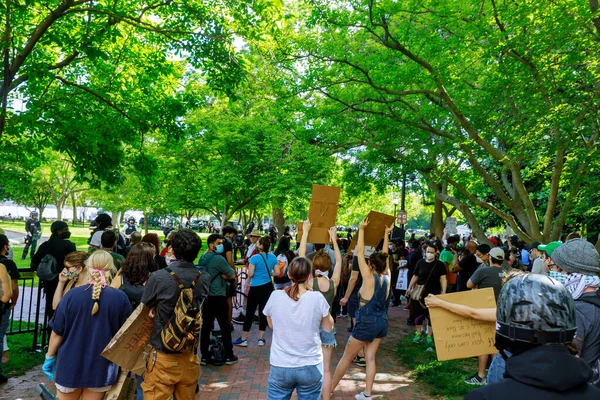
(28, 315)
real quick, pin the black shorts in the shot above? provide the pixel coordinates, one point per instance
(231, 284)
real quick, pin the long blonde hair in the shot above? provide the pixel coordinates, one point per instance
(101, 268)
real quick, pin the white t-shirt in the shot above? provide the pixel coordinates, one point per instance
(95, 241)
(250, 249)
(296, 339)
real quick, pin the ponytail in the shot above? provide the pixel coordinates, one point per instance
(298, 271)
(96, 292)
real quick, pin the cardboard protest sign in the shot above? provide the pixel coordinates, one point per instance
(451, 226)
(375, 230)
(402, 282)
(127, 347)
(462, 337)
(322, 213)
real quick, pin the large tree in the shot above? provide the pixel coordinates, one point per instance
(494, 104)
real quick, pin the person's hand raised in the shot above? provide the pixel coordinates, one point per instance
(363, 224)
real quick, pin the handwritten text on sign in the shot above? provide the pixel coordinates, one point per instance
(462, 337)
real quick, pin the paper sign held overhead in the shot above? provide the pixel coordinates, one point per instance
(322, 213)
(374, 231)
(451, 226)
(462, 337)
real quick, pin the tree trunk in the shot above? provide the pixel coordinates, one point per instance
(279, 218)
(437, 219)
(59, 211)
(117, 220)
(74, 202)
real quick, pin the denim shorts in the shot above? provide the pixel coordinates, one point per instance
(306, 380)
(328, 338)
(497, 368)
(370, 327)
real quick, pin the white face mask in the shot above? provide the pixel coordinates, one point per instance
(479, 260)
(429, 256)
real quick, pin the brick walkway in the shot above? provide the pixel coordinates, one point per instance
(247, 380)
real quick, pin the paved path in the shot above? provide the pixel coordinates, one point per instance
(247, 380)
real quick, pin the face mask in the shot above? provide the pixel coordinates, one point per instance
(71, 275)
(559, 276)
(479, 260)
(429, 256)
(66, 235)
(219, 249)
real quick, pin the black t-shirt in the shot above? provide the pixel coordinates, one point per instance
(468, 265)
(162, 292)
(413, 258)
(432, 283)
(11, 268)
(58, 248)
(355, 267)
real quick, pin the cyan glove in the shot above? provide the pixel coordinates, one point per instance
(49, 367)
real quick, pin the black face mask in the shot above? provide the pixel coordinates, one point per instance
(66, 235)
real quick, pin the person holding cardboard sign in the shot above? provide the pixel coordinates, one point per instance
(371, 318)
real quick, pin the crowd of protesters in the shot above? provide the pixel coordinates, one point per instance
(547, 314)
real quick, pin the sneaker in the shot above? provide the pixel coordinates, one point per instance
(475, 380)
(360, 361)
(418, 338)
(429, 340)
(240, 342)
(231, 360)
(217, 363)
(343, 316)
(203, 361)
(262, 342)
(362, 396)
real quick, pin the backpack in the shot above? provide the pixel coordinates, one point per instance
(217, 350)
(134, 293)
(183, 329)
(46, 270)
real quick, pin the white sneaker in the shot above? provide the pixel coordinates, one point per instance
(361, 396)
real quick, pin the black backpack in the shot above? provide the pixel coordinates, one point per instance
(217, 350)
(595, 300)
(134, 293)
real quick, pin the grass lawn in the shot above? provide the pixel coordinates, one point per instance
(443, 379)
(22, 359)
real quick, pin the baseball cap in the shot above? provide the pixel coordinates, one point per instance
(550, 247)
(497, 253)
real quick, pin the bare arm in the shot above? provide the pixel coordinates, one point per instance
(443, 283)
(251, 269)
(470, 284)
(360, 251)
(303, 242)
(327, 323)
(482, 314)
(6, 284)
(270, 322)
(350, 288)
(413, 282)
(337, 271)
(53, 344)
(229, 258)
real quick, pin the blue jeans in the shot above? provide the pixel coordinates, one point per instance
(139, 394)
(307, 380)
(4, 321)
(497, 368)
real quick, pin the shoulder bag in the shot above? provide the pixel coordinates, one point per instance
(267, 267)
(417, 293)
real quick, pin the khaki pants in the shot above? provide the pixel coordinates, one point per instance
(172, 374)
